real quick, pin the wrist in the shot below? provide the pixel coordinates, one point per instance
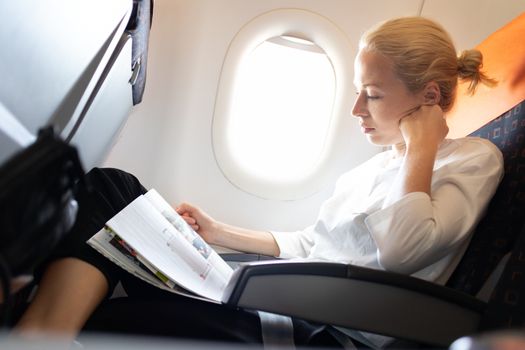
(217, 230)
(422, 146)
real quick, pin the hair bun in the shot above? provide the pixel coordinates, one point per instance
(470, 63)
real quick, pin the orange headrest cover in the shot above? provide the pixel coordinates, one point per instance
(503, 60)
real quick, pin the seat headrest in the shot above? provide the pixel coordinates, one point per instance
(503, 60)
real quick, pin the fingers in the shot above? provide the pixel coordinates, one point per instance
(198, 220)
(420, 108)
(187, 212)
(190, 221)
(184, 208)
(424, 124)
(410, 111)
(431, 113)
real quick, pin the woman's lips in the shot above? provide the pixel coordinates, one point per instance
(366, 130)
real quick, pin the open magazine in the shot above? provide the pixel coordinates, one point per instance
(149, 239)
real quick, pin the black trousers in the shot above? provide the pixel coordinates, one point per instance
(148, 310)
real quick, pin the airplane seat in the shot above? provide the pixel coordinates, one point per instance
(71, 72)
(500, 236)
(498, 230)
(80, 72)
(125, 70)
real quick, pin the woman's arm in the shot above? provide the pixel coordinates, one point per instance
(228, 236)
(418, 230)
(423, 130)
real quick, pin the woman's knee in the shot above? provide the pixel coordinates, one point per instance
(113, 186)
(113, 177)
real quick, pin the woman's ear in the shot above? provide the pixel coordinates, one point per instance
(431, 93)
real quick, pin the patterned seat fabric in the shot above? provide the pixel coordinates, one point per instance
(500, 231)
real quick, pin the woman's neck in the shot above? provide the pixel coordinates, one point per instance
(399, 149)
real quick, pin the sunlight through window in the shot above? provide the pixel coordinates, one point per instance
(281, 111)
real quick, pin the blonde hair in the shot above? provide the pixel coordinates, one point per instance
(422, 51)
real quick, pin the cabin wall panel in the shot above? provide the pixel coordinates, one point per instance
(471, 21)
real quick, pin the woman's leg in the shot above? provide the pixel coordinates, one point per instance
(163, 314)
(68, 293)
(175, 316)
(78, 278)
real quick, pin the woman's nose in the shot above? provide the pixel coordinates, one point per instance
(359, 108)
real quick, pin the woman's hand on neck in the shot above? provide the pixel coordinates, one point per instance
(423, 131)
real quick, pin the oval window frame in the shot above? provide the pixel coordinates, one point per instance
(303, 24)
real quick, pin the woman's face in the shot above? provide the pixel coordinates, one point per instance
(382, 99)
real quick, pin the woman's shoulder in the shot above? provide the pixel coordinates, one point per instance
(470, 144)
(469, 147)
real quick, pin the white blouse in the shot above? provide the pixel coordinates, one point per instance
(417, 235)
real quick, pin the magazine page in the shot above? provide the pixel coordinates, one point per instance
(117, 242)
(103, 242)
(148, 232)
(208, 261)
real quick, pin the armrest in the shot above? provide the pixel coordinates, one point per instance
(246, 257)
(235, 259)
(355, 297)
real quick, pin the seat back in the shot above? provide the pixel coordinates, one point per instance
(498, 231)
(506, 309)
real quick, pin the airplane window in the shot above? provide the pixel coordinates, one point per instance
(283, 98)
(280, 116)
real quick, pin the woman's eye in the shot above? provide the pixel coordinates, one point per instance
(367, 96)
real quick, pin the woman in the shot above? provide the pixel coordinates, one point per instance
(410, 209)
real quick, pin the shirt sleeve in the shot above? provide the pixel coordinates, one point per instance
(294, 244)
(417, 230)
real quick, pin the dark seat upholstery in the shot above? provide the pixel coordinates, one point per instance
(501, 229)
